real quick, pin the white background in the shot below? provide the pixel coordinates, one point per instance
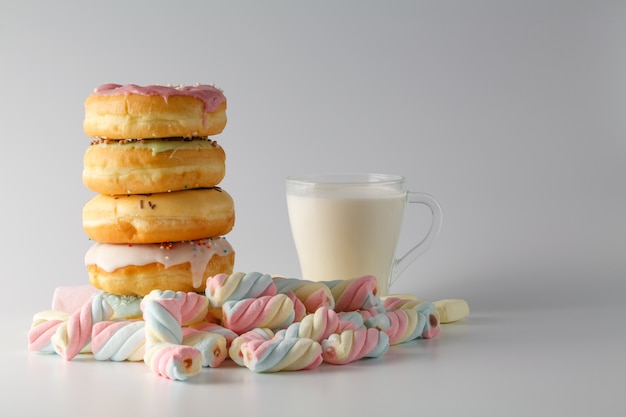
(510, 113)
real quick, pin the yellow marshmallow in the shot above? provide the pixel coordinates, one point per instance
(451, 310)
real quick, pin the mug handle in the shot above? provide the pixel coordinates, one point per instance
(401, 263)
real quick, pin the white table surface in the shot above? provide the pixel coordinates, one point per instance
(552, 361)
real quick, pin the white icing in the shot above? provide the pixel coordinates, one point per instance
(197, 253)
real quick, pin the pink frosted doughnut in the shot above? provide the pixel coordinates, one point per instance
(118, 340)
(351, 345)
(211, 345)
(234, 351)
(272, 312)
(43, 327)
(74, 334)
(355, 294)
(312, 294)
(176, 362)
(281, 353)
(238, 286)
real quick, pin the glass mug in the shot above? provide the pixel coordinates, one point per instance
(348, 225)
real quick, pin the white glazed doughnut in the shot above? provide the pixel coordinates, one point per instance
(140, 269)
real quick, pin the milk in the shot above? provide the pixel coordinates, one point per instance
(347, 235)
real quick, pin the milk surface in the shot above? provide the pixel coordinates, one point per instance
(346, 236)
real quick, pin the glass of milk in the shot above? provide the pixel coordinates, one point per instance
(348, 225)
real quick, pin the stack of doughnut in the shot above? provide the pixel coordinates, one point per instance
(159, 217)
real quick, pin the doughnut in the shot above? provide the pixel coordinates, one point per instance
(152, 166)
(139, 269)
(161, 217)
(114, 111)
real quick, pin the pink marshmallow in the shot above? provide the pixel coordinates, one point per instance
(72, 298)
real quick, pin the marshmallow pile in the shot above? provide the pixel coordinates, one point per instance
(259, 321)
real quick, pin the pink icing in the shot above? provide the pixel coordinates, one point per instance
(198, 253)
(211, 96)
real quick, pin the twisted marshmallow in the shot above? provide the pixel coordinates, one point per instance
(299, 309)
(396, 303)
(273, 312)
(118, 340)
(173, 361)
(75, 334)
(164, 353)
(238, 286)
(163, 320)
(319, 325)
(234, 351)
(403, 325)
(312, 294)
(281, 353)
(355, 294)
(215, 328)
(428, 313)
(194, 307)
(351, 345)
(353, 317)
(211, 345)
(44, 326)
(400, 325)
